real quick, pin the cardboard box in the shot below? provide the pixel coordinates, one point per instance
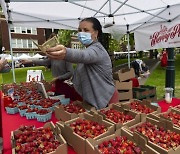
(144, 91)
(124, 74)
(161, 117)
(139, 93)
(143, 102)
(91, 145)
(57, 132)
(151, 98)
(63, 115)
(135, 120)
(160, 123)
(151, 89)
(177, 107)
(123, 85)
(47, 85)
(76, 141)
(125, 95)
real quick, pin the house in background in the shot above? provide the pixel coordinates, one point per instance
(75, 44)
(21, 38)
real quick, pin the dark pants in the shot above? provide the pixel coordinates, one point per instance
(62, 88)
(135, 65)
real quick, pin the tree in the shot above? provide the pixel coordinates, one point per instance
(114, 45)
(151, 54)
(131, 41)
(64, 36)
(105, 40)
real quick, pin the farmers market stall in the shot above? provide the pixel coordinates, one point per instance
(12, 122)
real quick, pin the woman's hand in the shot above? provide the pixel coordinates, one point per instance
(57, 52)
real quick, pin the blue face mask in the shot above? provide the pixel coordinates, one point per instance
(85, 38)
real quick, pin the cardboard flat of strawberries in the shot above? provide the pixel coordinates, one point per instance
(177, 107)
(156, 147)
(92, 145)
(135, 120)
(63, 115)
(75, 140)
(162, 116)
(147, 103)
(62, 148)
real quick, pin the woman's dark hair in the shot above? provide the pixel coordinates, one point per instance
(96, 26)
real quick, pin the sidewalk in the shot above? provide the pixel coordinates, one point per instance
(152, 64)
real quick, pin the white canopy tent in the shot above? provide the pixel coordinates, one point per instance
(163, 34)
(37, 56)
(8, 57)
(24, 56)
(116, 16)
(60, 14)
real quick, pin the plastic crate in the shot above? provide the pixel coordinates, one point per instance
(49, 108)
(45, 117)
(28, 91)
(31, 106)
(65, 101)
(38, 106)
(57, 103)
(22, 112)
(16, 97)
(21, 103)
(151, 89)
(31, 115)
(10, 110)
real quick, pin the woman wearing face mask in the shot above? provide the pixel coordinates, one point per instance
(93, 76)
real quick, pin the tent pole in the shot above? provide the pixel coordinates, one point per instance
(109, 6)
(100, 8)
(14, 80)
(128, 46)
(122, 4)
(142, 10)
(170, 70)
(83, 6)
(10, 44)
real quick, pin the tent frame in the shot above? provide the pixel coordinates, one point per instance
(10, 42)
(103, 15)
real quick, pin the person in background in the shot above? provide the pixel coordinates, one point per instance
(61, 71)
(164, 58)
(156, 54)
(93, 78)
(4, 66)
(137, 65)
(2, 63)
(145, 70)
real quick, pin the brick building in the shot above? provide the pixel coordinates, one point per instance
(22, 37)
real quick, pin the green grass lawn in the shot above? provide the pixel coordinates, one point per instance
(157, 78)
(1, 79)
(123, 61)
(20, 74)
